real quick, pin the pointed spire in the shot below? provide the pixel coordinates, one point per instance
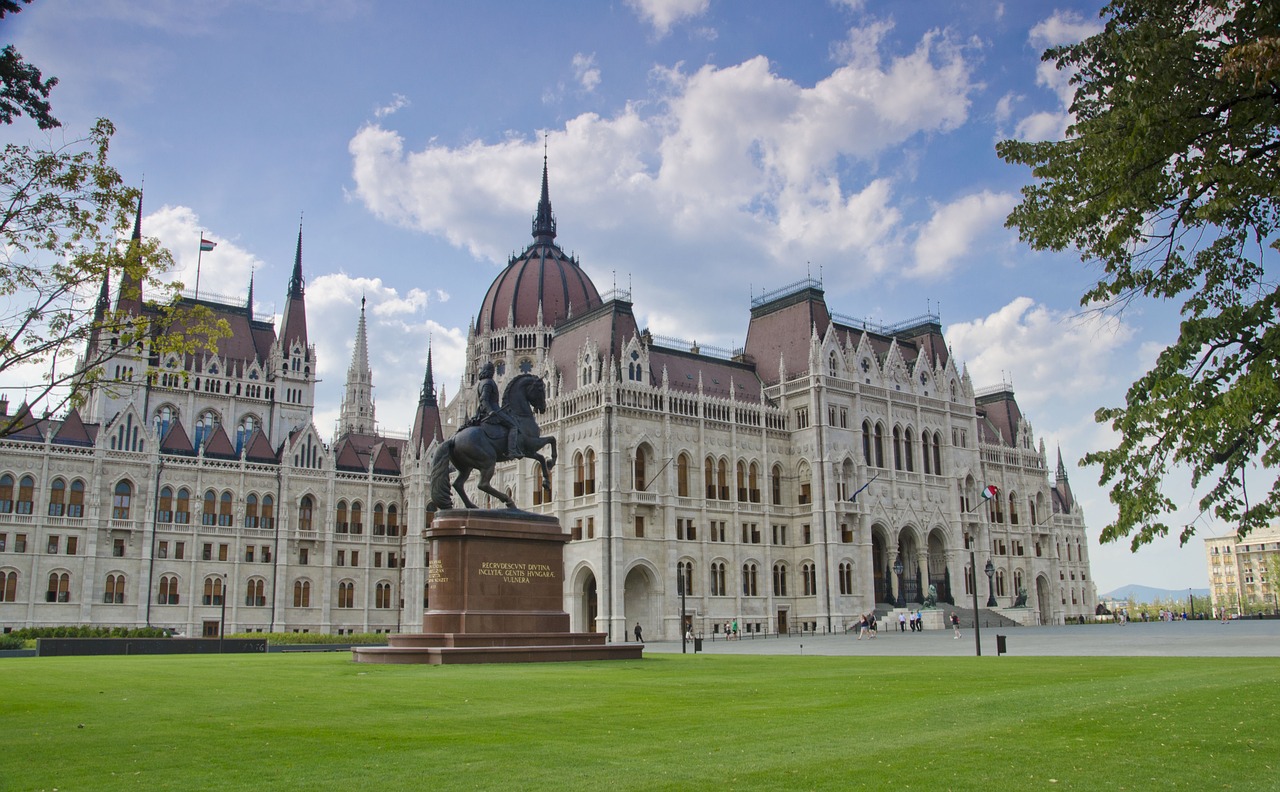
(1062, 469)
(544, 222)
(129, 298)
(248, 305)
(357, 404)
(428, 396)
(296, 283)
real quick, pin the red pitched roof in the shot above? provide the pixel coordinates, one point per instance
(177, 441)
(218, 445)
(73, 431)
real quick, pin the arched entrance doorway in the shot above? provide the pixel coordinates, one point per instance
(639, 605)
(587, 603)
(939, 574)
(880, 565)
(1043, 601)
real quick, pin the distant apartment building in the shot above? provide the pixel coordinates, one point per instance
(1239, 578)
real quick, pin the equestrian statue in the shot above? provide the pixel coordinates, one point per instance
(496, 433)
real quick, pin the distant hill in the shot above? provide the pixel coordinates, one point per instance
(1149, 594)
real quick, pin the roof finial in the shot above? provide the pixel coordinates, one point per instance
(544, 222)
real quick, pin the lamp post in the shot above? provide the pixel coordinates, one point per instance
(897, 571)
(1192, 597)
(973, 589)
(222, 621)
(990, 569)
(680, 589)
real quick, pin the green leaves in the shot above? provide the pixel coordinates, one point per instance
(1169, 180)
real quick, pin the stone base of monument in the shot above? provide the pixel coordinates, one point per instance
(495, 586)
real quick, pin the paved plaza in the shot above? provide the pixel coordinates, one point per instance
(1247, 638)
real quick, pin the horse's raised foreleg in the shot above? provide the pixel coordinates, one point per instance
(483, 486)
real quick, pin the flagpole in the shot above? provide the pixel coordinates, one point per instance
(199, 255)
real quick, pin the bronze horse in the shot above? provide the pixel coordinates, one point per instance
(482, 446)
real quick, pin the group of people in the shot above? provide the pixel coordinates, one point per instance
(914, 618)
(867, 626)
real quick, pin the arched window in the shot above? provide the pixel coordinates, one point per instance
(682, 475)
(224, 509)
(1013, 509)
(268, 512)
(846, 578)
(579, 475)
(775, 485)
(6, 494)
(806, 484)
(382, 595)
(897, 448)
(209, 512)
(638, 467)
(722, 479)
(120, 501)
(590, 486)
(251, 511)
(302, 594)
(832, 364)
(182, 506)
(717, 579)
(684, 571)
(75, 504)
(57, 498)
(866, 442)
(908, 440)
(205, 425)
(346, 594)
(164, 510)
(753, 483)
(937, 453)
(999, 582)
(59, 587)
(168, 590)
(8, 586)
(340, 524)
(212, 591)
(379, 520)
(925, 457)
(357, 520)
(113, 593)
(779, 579)
(255, 593)
(393, 521)
(741, 470)
(709, 476)
(809, 580)
(878, 445)
(749, 583)
(26, 495)
(305, 508)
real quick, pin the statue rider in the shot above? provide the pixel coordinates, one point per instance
(489, 411)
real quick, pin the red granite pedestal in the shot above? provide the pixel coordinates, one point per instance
(495, 585)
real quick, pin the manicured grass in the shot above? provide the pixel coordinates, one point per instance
(321, 722)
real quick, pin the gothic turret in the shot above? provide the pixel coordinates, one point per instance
(129, 298)
(357, 403)
(293, 328)
(426, 420)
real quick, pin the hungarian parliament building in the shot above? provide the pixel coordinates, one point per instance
(826, 469)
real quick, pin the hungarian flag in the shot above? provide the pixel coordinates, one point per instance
(206, 245)
(989, 492)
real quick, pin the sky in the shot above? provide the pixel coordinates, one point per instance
(700, 152)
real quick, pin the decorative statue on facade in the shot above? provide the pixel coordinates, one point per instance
(1021, 601)
(496, 433)
(931, 600)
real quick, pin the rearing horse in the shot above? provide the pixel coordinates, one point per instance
(483, 446)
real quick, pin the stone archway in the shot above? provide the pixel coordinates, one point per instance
(882, 575)
(939, 575)
(640, 605)
(1044, 599)
(586, 602)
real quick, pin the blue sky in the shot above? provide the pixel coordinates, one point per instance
(701, 151)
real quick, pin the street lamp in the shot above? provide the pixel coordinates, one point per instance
(990, 569)
(1192, 597)
(681, 591)
(973, 589)
(222, 622)
(897, 570)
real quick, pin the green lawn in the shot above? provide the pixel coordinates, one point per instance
(321, 722)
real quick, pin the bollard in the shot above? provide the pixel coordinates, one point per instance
(1000, 645)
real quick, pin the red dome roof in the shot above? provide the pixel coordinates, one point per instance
(541, 276)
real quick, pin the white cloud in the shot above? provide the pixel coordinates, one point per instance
(224, 272)
(723, 163)
(1047, 349)
(1063, 27)
(953, 229)
(585, 71)
(663, 14)
(398, 102)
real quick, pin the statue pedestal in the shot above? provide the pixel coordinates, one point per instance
(495, 586)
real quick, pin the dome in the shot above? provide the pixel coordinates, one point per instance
(542, 276)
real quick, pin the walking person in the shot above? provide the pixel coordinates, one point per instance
(902, 622)
(639, 637)
(955, 625)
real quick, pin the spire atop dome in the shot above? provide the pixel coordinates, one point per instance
(357, 413)
(296, 282)
(428, 397)
(544, 222)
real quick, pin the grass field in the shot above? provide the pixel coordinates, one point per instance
(321, 722)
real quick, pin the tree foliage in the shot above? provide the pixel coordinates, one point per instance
(23, 90)
(65, 214)
(1168, 182)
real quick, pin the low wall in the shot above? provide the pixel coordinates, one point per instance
(70, 647)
